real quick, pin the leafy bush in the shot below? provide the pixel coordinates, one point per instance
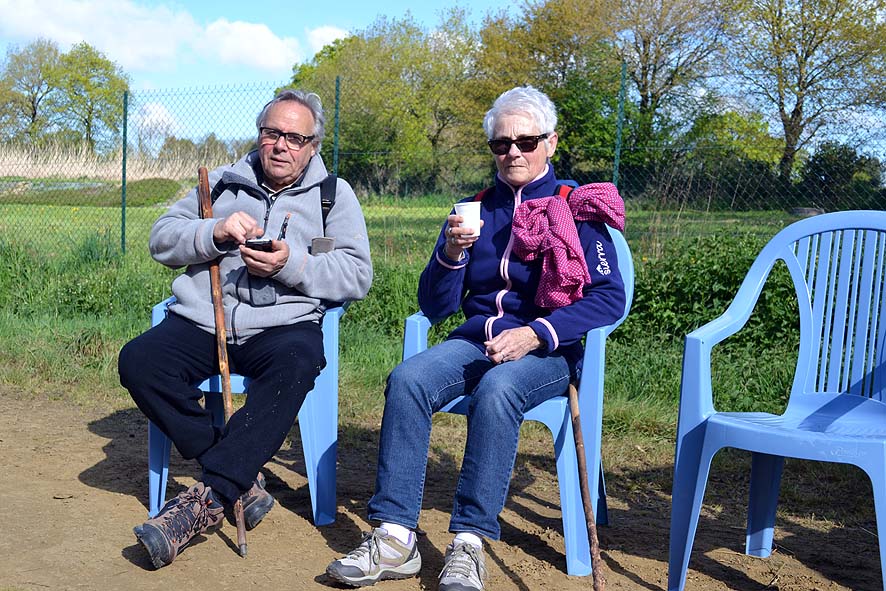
(694, 280)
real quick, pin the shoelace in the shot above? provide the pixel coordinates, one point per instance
(181, 522)
(459, 565)
(368, 545)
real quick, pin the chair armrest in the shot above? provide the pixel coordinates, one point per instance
(332, 318)
(159, 311)
(415, 335)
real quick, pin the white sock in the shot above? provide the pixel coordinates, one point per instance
(403, 534)
(466, 536)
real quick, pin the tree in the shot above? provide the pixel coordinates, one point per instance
(836, 176)
(90, 94)
(402, 100)
(177, 149)
(213, 150)
(730, 161)
(26, 89)
(669, 46)
(808, 60)
(546, 45)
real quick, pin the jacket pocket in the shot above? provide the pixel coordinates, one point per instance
(262, 291)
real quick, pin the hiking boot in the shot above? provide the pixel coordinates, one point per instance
(464, 568)
(190, 513)
(256, 502)
(379, 556)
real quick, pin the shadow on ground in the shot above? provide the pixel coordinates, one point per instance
(638, 513)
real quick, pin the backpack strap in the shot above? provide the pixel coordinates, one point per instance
(564, 190)
(327, 196)
(479, 196)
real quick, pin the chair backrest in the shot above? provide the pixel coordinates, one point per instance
(838, 265)
(626, 267)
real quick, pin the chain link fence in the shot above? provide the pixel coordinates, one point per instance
(53, 196)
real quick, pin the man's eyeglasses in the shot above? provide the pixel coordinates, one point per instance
(295, 141)
(528, 143)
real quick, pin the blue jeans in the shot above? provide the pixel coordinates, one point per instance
(499, 397)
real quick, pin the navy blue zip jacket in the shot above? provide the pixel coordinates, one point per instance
(497, 290)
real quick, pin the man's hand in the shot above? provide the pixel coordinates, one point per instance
(265, 264)
(512, 344)
(237, 227)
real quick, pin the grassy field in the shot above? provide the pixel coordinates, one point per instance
(70, 300)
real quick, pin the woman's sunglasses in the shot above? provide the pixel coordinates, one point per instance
(524, 144)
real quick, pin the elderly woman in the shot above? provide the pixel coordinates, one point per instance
(541, 273)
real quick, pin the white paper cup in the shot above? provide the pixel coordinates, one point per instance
(470, 213)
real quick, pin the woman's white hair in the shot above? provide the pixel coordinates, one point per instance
(308, 99)
(522, 99)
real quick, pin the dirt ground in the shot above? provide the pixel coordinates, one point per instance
(74, 484)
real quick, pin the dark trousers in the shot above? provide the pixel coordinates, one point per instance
(162, 368)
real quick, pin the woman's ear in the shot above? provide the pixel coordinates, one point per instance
(551, 143)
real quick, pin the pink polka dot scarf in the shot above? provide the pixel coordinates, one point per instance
(545, 229)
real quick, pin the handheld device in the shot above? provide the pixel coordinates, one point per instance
(259, 244)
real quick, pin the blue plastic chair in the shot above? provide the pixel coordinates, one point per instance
(555, 415)
(835, 412)
(317, 420)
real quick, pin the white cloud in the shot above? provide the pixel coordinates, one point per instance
(322, 36)
(156, 118)
(135, 37)
(145, 39)
(154, 123)
(249, 44)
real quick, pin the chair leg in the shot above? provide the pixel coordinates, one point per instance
(602, 509)
(766, 472)
(318, 425)
(158, 468)
(878, 481)
(691, 468)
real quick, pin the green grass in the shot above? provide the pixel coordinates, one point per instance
(70, 299)
(87, 193)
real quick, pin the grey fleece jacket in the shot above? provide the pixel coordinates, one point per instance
(296, 293)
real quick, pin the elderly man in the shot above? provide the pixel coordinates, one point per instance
(273, 300)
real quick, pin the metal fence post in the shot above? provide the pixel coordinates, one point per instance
(123, 183)
(619, 123)
(335, 133)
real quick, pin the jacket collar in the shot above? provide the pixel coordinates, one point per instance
(247, 173)
(543, 186)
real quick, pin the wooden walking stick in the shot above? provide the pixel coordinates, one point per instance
(596, 562)
(220, 340)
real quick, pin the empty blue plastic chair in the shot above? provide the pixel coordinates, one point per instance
(835, 412)
(317, 421)
(555, 415)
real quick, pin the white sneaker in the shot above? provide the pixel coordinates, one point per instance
(464, 568)
(379, 556)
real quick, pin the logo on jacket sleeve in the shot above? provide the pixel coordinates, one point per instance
(602, 263)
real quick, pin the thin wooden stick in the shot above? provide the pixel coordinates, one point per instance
(221, 340)
(596, 562)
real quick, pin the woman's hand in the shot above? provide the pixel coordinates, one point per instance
(512, 344)
(265, 263)
(458, 239)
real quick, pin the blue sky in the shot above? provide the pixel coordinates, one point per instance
(188, 43)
